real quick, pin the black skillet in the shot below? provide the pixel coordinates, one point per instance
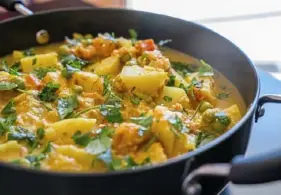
(166, 178)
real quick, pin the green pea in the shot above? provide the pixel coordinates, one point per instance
(204, 106)
(209, 115)
(126, 58)
(218, 126)
(42, 37)
(77, 89)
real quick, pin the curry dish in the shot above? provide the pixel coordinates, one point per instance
(96, 104)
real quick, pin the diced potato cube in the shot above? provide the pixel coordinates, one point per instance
(124, 42)
(108, 66)
(147, 79)
(39, 61)
(174, 93)
(183, 144)
(234, 113)
(155, 152)
(17, 55)
(12, 150)
(61, 132)
(89, 81)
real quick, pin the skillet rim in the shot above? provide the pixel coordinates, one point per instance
(174, 160)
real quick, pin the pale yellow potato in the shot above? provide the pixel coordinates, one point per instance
(12, 150)
(155, 152)
(61, 132)
(89, 81)
(17, 55)
(108, 66)
(173, 92)
(234, 113)
(183, 144)
(39, 61)
(147, 79)
(124, 42)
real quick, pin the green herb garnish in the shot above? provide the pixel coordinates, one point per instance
(144, 121)
(168, 98)
(41, 72)
(4, 86)
(40, 133)
(205, 69)
(135, 99)
(19, 133)
(48, 94)
(171, 81)
(111, 113)
(133, 34)
(222, 96)
(81, 139)
(9, 108)
(66, 106)
(203, 138)
(223, 118)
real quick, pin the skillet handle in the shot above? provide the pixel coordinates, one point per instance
(10, 4)
(263, 100)
(258, 169)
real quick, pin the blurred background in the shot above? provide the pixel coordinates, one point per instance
(252, 25)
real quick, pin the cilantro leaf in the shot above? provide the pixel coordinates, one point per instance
(28, 52)
(168, 98)
(98, 145)
(41, 72)
(48, 94)
(14, 70)
(73, 61)
(48, 148)
(67, 105)
(223, 96)
(81, 139)
(19, 133)
(144, 122)
(40, 133)
(203, 138)
(135, 100)
(223, 118)
(205, 69)
(133, 34)
(177, 125)
(4, 66)
(68, 71)
(6, 123)
(9, 108)
(7, 86)
(171, 81)
(111, 113)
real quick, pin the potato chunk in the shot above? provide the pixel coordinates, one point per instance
(155, 152)
(89, 81)
(126, 138)
(234, 113)
(174, 93)
(39, 61)
(147, 79)
(61, 132)
(12, 150)
(108, 66)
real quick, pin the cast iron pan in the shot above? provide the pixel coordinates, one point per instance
(258, 169)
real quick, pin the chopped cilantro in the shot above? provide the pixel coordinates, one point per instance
(135, 99)
(9, 108)
(205, 69)
(144, 121)
(19, 133)
(203, 138)
(7, 86)
(66, 106)
(223, 96)
(40, 133)
(168, 98)
(111, 113)
(48, 94)
(133, 34)
(171, 81)
(41, 72)
(223, 118)
(81, 139)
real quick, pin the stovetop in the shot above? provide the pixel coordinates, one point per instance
(265, 136)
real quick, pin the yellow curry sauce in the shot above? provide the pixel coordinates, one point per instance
(95, 104)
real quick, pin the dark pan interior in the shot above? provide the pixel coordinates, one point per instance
(187, 37)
